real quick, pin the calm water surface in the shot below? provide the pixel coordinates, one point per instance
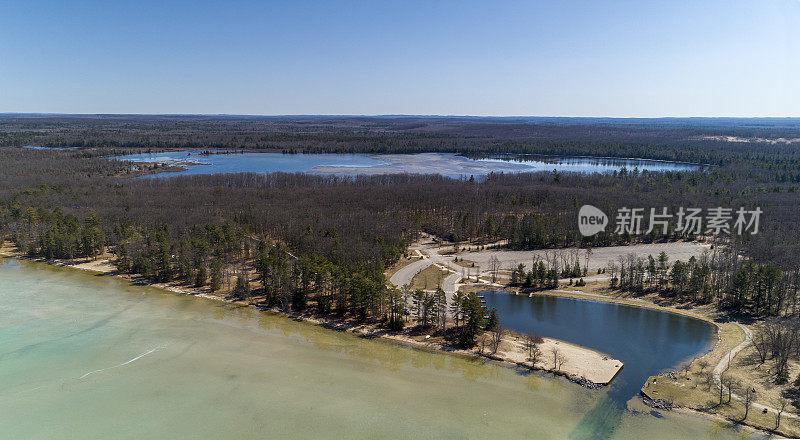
(252, 162)
(646, 341)
(590, 165)
(92, 357)
(273, 162)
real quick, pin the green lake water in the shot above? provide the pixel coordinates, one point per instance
(92, 357)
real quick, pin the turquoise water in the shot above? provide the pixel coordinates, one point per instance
(92, 357)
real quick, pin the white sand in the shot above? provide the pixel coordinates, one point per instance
(580, 361)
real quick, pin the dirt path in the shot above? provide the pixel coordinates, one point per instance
(724, 364)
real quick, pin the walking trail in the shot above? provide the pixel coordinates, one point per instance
(725, 363)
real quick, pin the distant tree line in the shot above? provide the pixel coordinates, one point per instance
(61, 203)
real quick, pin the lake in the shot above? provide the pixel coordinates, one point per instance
(647, 341)
(446, 164)
(93, 357)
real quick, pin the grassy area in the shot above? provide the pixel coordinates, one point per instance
(748, 369)
(429, 278)
(465, 263)
(692, 388)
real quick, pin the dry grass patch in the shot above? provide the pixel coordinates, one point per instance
(429, 278)
(693, 387)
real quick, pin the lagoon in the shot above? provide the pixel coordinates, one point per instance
(647, 341)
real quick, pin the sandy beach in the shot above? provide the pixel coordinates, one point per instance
(580, 364)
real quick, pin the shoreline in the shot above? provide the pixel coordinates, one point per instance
(655, 400)
(646, 395)
(510, 357)
(362, 331)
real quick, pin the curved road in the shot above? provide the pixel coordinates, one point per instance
(404, 276)
(429, 254)
(724, 363)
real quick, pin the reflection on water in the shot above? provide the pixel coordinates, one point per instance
(589, 165)
(196, 163)
(172, 366)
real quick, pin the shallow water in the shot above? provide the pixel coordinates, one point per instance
(426, 163)
(92, 357)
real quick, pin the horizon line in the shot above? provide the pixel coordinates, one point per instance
(387, 115)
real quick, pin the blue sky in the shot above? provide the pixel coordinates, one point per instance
(555, 58)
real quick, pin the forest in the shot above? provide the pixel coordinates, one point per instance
(698, 140)
(326, 241)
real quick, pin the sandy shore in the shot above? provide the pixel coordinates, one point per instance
(581, 365)
(581, 362)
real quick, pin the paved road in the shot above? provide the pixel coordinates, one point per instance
(404, 276)
(429, 252)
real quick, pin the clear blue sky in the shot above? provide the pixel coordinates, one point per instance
(553, 58)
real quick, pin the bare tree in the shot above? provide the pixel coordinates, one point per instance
(532, 342)
(560, 361)
(556, 353)
(749, 393)
(496, 337)
(494, 265)
(612, 269)
(783, 404)
(703, 364)
(589, 253)
(760, 344)
(708, 379)
(778, 340)
(441, 308)
(731, 384)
